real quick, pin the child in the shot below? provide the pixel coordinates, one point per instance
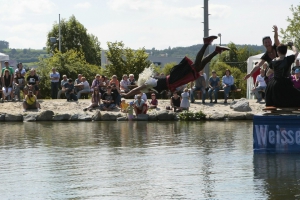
(153, 103)
(185, 96)
(95, 101)
(130, 111)
(123, 105)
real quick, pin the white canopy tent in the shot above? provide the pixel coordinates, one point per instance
(250, 64)
(3, 57)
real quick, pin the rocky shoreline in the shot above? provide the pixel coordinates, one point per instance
(60, 110)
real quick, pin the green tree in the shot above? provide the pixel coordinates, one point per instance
(74, 36)
(125, 60)
(70, 63)
(292, 32)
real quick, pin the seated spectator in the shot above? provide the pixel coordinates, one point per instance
(124, 105)
(115, 81)
(117, 94)
(7, 86)
(260, 85)
(20, 69)
(213, 84)
(30, 102)
(62, 83)
(19, 85)
(76, 83)
(143, 96)
(104, 83)
(70, 90)
(85, 87)
(140, 107)
(175, 102)
(96, 82)
(153, 103)
(95, 101)
(297, 66)
(108, 102)
(131, 79)
(295, 79)
(227, 82)
(124, 84)
(32, 82)
(185, 96)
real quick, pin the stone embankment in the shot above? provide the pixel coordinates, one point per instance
(61, 110)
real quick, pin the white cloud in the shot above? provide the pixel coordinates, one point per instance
(84, 5)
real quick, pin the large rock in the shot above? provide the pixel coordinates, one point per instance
(2, 117)
(152, 116)
(241, 105)
(216, 116)
(13, 118)
(29, 118)
(84, 117)
(165, 115)
(46, 115)
(97, 116)
(61, 117)
(236, 116)
(124, 118)
(249, 116)
(142, 117)
(109, 116)
(74, 117)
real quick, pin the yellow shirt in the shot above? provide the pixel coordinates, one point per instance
(30, 100)
(124, 106)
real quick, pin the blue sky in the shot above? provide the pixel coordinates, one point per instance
(144, 23)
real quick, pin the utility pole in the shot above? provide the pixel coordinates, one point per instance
(206, 34)
(59, 35)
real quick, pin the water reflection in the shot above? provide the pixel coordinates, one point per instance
(129, 160)
(279, 173)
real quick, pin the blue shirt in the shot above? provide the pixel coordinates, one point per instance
(55, 75)
(227, 80)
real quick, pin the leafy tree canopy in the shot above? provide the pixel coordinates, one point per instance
(74, 36)
(125, 60)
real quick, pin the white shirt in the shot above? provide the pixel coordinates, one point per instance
(86, 85)
(261, 81)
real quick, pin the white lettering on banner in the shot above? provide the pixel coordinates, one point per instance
(278, 136)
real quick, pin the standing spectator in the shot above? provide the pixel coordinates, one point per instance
(69, 90)
(131, 79)
(62, 83)
(199, 85)
(95, 101)
(7, 86)
(20, 69)
(19, 84)
(227, 82)
(260, 85)
(175, 102)
(32, 82)
(214, 82)
(30, 102)
(140, 107)
(185, 104)
(108, 102)
(296, 79)
(86, 87)
(124, 84)
(114, 80)
(117, 94)
(54, 77)
(10, 69)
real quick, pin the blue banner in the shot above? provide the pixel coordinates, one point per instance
(276, 134)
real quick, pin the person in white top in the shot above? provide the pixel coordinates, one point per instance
(260, 85)
(86, 87)
(124, 84)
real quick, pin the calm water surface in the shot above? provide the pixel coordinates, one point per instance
(141, 160)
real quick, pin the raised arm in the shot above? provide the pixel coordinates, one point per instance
(276, 40)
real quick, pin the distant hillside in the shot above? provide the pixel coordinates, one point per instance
(25, 55)
(191, 51)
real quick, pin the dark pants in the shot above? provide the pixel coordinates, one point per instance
(71, 96)
(54, 89)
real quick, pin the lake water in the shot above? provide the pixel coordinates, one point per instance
(141, 160)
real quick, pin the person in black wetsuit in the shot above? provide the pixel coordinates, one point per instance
(280, 91)
(183, 73)
(270, 53)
